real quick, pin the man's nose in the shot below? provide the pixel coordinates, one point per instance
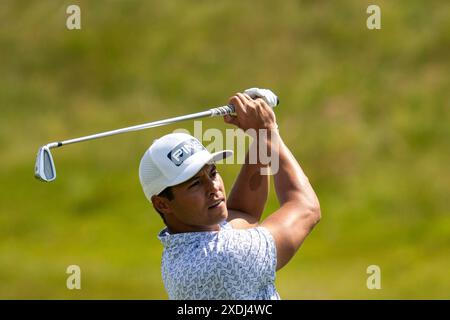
(213, 185)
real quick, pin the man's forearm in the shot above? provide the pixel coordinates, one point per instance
(291, 183)
(299, 208)
(249, 192)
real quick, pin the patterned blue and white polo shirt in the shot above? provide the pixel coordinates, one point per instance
(234, 264)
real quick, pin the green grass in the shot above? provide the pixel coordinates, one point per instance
(366, 113)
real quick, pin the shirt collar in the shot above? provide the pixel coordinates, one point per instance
(186, 238)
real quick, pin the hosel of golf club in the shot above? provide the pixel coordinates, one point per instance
(53, 145)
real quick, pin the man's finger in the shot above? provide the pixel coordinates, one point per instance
(231, 119)
(244, 99)
(238, 104)
(247, 96)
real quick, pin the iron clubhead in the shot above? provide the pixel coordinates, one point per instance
(44, 169)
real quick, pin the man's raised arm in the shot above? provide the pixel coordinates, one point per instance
(299, 208)
(250, 190)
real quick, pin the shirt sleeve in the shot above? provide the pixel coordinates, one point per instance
(248, 260)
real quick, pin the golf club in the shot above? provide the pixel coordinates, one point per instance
(45, 167)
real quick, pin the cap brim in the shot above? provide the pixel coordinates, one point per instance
(220, 155)
(199, 160)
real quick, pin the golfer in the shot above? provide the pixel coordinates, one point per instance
(217, 247)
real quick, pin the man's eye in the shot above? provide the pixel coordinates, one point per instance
(194, 184)
(214, 173)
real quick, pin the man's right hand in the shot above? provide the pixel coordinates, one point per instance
(251, 113)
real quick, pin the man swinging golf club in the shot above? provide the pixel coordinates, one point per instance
(217, 247)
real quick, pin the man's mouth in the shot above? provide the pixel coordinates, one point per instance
(216, 204)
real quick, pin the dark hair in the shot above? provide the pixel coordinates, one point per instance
(168, 194)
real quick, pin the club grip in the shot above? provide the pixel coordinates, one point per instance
(229, 109)
(222, 111)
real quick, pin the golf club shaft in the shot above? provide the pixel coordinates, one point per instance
(219, 111)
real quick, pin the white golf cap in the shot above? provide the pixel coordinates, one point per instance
(173, 159)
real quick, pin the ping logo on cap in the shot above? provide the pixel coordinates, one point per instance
(184, 150)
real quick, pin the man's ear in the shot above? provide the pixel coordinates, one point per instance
(161, 204)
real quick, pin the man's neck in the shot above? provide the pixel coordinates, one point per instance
(187, 228)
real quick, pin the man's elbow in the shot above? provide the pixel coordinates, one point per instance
(314, 214)
(310, 214)
(310, 206)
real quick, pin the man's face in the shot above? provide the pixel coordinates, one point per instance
(200, 202)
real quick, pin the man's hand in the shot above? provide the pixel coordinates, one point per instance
(251, 113)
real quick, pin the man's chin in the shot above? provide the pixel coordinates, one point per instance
(220, 216)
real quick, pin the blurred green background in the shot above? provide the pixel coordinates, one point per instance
(365, 112)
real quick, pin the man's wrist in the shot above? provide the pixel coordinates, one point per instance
(273, 130)
(267, 137)
(272, 127)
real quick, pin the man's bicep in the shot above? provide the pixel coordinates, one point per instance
(289, 227)
(241, 220)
